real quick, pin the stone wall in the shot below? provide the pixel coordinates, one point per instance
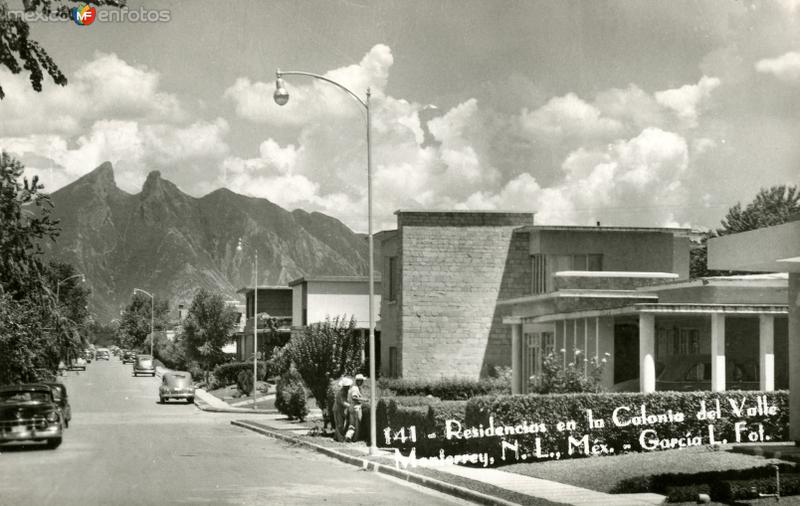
(455, 266)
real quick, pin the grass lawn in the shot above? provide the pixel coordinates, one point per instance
(602, 473)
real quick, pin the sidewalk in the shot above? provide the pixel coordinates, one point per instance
(276, 425)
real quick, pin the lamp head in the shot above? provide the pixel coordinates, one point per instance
(281, 96)
(239, 245)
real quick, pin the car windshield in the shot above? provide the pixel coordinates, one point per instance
(25, 396)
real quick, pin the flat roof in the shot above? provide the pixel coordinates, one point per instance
(584, 228)
(247, 289)
(463, 211)
(335, 279)
(617, 274)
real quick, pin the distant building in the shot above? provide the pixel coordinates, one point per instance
(274, 302)
(315, 298)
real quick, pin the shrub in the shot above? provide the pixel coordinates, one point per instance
(325, 351)
(543, 413)
(558, 378)
(244, 382)
(290, 396)
(727, 486)
(445, 388)
(227, 374)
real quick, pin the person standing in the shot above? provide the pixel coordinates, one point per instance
(340, 411)
(354, 400)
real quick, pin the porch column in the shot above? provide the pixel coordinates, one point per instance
(516, 358)
(766, 352)
(717, 352)
(794, 357)
(647, 352)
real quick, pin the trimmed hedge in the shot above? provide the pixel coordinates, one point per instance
(544, 412)
(427, 415)
(450, 389)
(729, 485)
(290, 396)
(227, 374)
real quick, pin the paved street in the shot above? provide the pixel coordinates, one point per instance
(124, 448)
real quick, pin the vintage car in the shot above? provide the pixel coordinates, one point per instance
(30, 413)
(128, 357)
(102, 354)
(60, 396)
(693, 372)
(77, 364)
(176, 385)
(144, 365)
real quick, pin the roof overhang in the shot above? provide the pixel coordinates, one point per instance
(645, 308)
(579, 293)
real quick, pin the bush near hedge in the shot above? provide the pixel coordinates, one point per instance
(227, 374)
(511, 410)
(450, 389)
(290, 395)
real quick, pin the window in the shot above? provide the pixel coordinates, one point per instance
(589, 262)
(677, 341)
(394, 369)
(548, 343)
(394, 278)
(539, 278)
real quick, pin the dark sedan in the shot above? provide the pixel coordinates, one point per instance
(30, 413)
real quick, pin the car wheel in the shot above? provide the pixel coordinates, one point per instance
(66, 423)
(190, 400)
(161, 400)
(54, 443)
(153, 375)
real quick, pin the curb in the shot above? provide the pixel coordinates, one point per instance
(367, 465)
(204, 406)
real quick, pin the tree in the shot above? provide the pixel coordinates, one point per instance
(326, 351)
(71, 314)
(208, 327)
(25, 223)
(18, 51)
(771, 206)
(134, 324)
(27, 352)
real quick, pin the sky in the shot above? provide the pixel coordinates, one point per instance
(627, 113)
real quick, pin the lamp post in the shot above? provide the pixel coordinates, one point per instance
(239, 247)
(58, 285)
(152, 317)
(281, 97)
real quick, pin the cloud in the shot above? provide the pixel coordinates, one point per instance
(785, 68)
(686, 101)
(568, 116)
(102, 88)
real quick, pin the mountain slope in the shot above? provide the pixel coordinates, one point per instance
(171, 244)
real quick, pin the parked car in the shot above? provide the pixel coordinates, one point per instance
(144, 365)
(129, 357)
(88, 355)
(77, 364)
(686, 373)
(102, 354)
(176, 385)
(30, 413)
(60, 397)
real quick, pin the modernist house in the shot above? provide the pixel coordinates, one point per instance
(466, 291)
(273, 301)
(315, 298)
(771, 249)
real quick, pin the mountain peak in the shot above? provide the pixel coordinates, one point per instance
(104, 173)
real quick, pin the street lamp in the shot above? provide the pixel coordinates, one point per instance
(239, 247)
(281, 97)
(152, 317)
(58, 285)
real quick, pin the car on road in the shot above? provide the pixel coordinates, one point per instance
(176, 385)
(128, 357)
(102, 354)
(144, 365)
(30, 413)
(77, 364)
(60, 397)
